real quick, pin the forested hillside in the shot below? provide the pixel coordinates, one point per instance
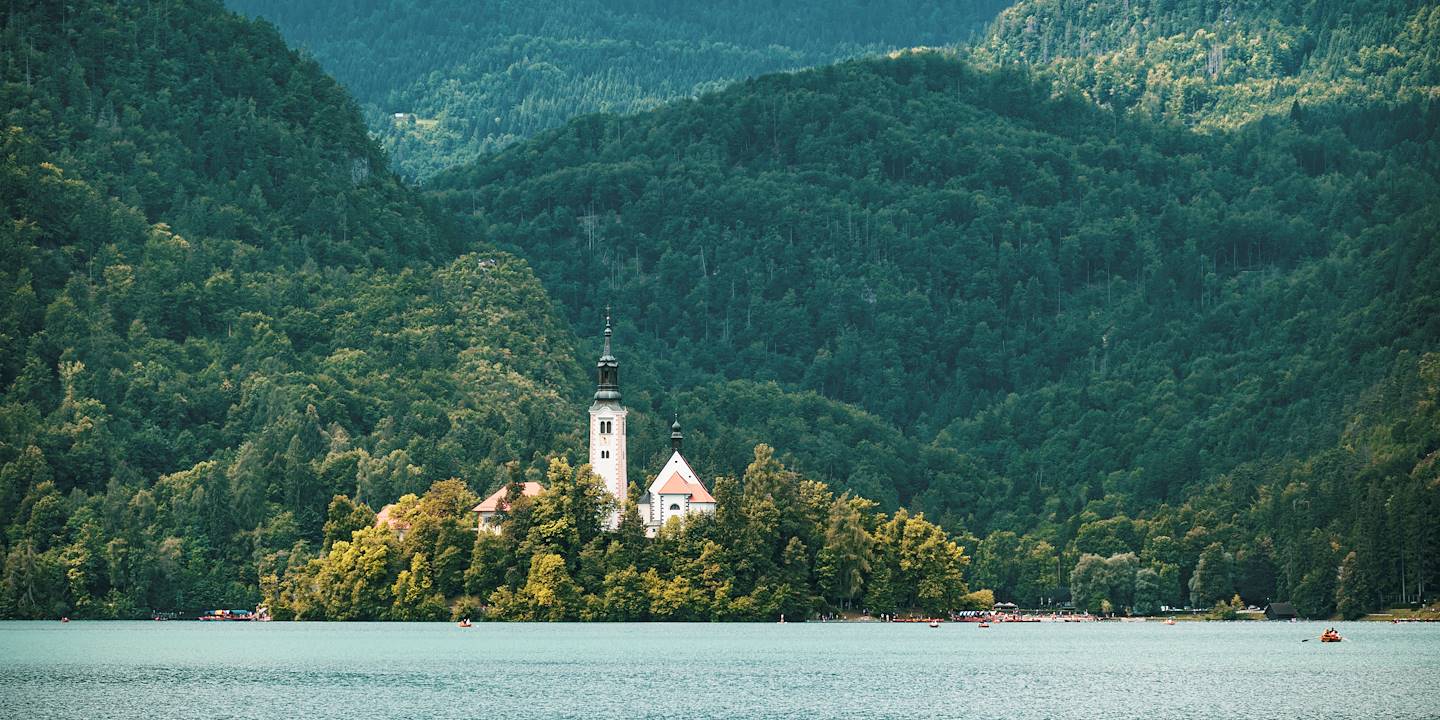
(472, 78)
(1109, 358)
(1228, 63)
(1099, 317)
(221, 310)
(230, 333)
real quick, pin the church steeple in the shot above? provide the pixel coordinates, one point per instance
(607, 386)
(607, 427)
(676, 439)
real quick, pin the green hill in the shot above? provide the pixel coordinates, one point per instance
(467, 79)
(221, 310)
(1225, 64)
(1104, 315)
(1176, 366)
(230, 333)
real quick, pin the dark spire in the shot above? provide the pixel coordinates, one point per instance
(608, 332)
(676, 439)
(607, 386)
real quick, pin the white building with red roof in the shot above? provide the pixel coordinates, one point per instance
(491, 507)
(675, 492)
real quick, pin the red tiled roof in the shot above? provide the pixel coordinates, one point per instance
(676, 485)
(699, 494)
(383, 519)
(496, 501)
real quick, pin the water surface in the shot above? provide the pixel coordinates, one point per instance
(98, 670)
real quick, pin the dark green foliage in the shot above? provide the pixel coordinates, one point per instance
(1100, 317)
(1160, 366)
(222, 311)
(468, 78)
(1017, 276)
(1222, 64)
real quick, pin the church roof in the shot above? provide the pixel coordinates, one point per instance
(496, 501)
(676, 478)
(676, 485)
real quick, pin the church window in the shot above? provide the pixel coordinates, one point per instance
(606, 427)
(674, 506)
(604, 454)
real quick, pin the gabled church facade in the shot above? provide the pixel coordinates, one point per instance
(675, 492)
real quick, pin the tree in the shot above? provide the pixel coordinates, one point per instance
(1212, 580)
(351, 582)
(1147, 592)
(415, 596)
(624, 597)
(549, 592)
(342, 518)
(846, 553)
(1352, 592)
(1089, 583)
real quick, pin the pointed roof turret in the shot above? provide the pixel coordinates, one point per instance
(676, 438)
(607, 386)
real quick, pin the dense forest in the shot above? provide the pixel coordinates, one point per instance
(1003, 333)
(222, 310)
(443, 81)
(778, 545)
(1224, 64)
(229, 331)
(1090, 319)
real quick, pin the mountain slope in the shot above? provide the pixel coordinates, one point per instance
(221, 310)
(1224, 64)
(1105, 315)
(475, 78)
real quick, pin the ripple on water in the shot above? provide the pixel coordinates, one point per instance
(599, 672)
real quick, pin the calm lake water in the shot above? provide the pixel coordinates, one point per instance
(379, 670)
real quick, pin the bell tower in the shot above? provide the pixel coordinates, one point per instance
(607, 427)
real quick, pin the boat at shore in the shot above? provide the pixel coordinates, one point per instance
(228, 616)
(259, 614)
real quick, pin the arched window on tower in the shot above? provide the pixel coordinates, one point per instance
(674, 506)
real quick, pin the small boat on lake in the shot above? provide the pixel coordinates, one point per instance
(984, 624)
(934, 623)
(465, 623)
(1169, 621)
(1330, 635)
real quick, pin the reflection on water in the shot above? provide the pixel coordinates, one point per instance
(602, 671)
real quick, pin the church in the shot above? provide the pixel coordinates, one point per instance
(675, 492)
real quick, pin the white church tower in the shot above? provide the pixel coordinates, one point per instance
(607, 428)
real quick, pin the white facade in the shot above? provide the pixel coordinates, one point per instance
(607, 451)
(675, 492)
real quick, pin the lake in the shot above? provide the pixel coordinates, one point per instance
(95, 670)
